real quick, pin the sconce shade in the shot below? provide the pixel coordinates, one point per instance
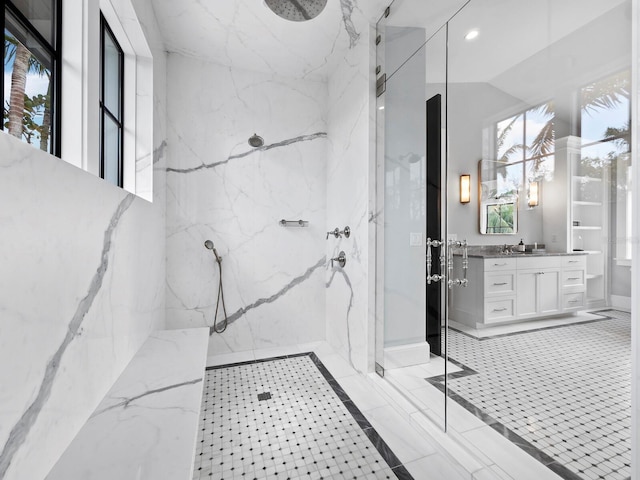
(534, 194)
(465, 188)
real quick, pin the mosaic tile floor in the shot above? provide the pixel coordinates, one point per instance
(563, 394)
(286, 418)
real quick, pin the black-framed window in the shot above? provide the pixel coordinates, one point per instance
(30, 84)
(111, 106)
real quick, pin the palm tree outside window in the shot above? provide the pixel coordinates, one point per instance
(30, 84)
(525, 145)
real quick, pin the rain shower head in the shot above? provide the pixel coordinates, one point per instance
(296, 10)
(256, 141)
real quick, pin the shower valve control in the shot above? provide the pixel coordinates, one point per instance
(341, 259)
(336, 232)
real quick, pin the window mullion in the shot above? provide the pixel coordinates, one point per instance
(29, 26)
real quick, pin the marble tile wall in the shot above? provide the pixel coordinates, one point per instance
(350, 328)
(81, 288)
(220, 188)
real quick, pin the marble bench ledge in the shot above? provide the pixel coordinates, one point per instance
(146, 426)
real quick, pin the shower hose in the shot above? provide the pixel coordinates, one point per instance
(220, 298)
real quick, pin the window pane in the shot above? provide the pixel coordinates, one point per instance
(508, 181)
(111, 150)
(509, 139)
(112, 75)
(27, 92)
(605, 108)
(539, 131)
(41, 15)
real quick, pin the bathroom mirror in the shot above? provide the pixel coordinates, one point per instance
(498, 192)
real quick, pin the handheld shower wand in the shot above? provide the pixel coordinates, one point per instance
(209, 245)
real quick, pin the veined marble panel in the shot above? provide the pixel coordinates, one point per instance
(146, 426)
(348, 323)
(220, 188)
(80, 290)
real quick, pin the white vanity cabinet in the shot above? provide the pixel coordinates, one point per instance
(508, 289)
(538, 292)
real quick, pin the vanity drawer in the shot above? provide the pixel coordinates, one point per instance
(499, 283)
(574, 261)
(499, 310)
(497, 264)
(573, 300)
(573, 278)
(552, 261)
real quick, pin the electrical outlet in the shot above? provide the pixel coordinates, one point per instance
(415, 239)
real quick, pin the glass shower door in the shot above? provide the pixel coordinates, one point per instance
(411, 121)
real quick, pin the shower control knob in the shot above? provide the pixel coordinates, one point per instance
(335, 232)
(341, 259)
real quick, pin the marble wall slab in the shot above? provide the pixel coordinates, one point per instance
(350, 327)
(81, 288)
(220, 188)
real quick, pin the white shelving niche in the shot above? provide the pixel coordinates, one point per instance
(575, 204)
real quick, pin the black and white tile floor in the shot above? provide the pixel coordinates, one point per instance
(562, 393)
(286, 418)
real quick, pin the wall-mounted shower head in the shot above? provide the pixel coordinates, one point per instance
(256, 141)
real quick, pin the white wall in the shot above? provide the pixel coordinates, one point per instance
(81, 288)
(220, 188)
(405, 190)
(470, 107)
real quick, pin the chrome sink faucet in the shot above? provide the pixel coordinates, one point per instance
(506, 249)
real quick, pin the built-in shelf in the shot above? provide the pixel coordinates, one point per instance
(587, 204)
(586, 179)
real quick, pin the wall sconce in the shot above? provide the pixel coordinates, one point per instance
(534, 194)
(465, 188)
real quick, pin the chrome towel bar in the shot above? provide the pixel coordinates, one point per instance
(294, 223)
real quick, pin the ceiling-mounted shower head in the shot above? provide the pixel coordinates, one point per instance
(256, 141)
(297, 10)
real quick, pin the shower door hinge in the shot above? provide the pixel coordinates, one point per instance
(387, 11)
(378, 39)
(379, 370)
(381, 85)
(378, 70)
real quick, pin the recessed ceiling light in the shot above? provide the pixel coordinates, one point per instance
(472, 34)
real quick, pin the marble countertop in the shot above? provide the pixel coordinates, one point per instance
(146, 427)
(493, 251)
(482, 254)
